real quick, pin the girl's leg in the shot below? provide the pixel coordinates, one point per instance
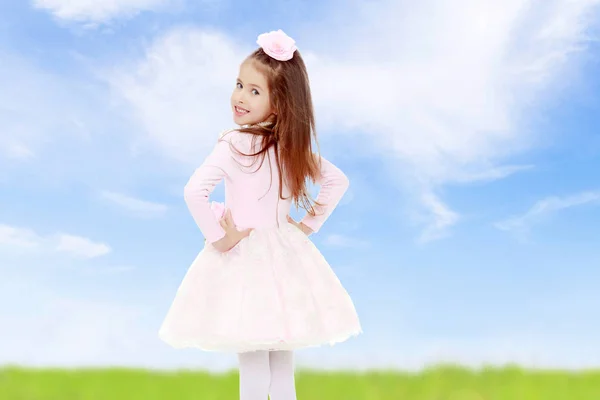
(282, 375)
(255, 375)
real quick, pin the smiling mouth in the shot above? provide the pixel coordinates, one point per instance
(240, 110)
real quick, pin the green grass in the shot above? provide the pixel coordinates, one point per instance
(440, 383)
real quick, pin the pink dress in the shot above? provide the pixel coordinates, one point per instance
(274, 290)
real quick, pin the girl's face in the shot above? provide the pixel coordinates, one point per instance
(250, 102)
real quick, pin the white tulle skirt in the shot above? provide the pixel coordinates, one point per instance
(273, 291)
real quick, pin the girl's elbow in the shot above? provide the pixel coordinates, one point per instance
(192, 194)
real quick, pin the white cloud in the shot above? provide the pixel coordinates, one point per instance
(492, 174)
(139, 207)
(60, 128)
(20, 99)
(108, 270)
(100, 11)
(544, 208)
(19, 151)
(180, 91)
(439, 219)
(23, 239)
(449, 88)
(39, 108)
(18, 237)
(80, 246)
(338, 240)
(445, 91)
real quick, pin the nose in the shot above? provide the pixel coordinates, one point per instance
(240, 97)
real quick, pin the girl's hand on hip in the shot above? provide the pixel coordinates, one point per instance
(232, 235)
(300, 225)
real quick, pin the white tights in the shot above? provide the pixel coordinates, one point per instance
(267, 374)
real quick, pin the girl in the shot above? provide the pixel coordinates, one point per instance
(260, 287)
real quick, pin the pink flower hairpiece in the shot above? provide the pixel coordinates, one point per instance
(277, 44)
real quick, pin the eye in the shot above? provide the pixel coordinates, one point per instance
(255, 92)
(239, 85)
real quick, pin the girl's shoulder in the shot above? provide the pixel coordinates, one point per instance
(235, 134)
(227, 133)
(240, 140)
(230, 135)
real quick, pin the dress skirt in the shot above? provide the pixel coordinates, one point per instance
(273, 291)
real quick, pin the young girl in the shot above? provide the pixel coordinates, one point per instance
(260, 287)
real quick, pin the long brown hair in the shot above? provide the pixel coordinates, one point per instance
(293, 127)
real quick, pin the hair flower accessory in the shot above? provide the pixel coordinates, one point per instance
(277, 45)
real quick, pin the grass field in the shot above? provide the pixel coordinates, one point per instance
(441, 383)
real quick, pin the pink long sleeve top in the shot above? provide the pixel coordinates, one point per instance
(252, 190)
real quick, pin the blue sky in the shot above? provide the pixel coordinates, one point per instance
(469, 134)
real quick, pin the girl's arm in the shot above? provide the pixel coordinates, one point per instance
(333, 186)
(201, 184)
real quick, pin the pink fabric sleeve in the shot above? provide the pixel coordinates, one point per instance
(333, 186)
(202, 183)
